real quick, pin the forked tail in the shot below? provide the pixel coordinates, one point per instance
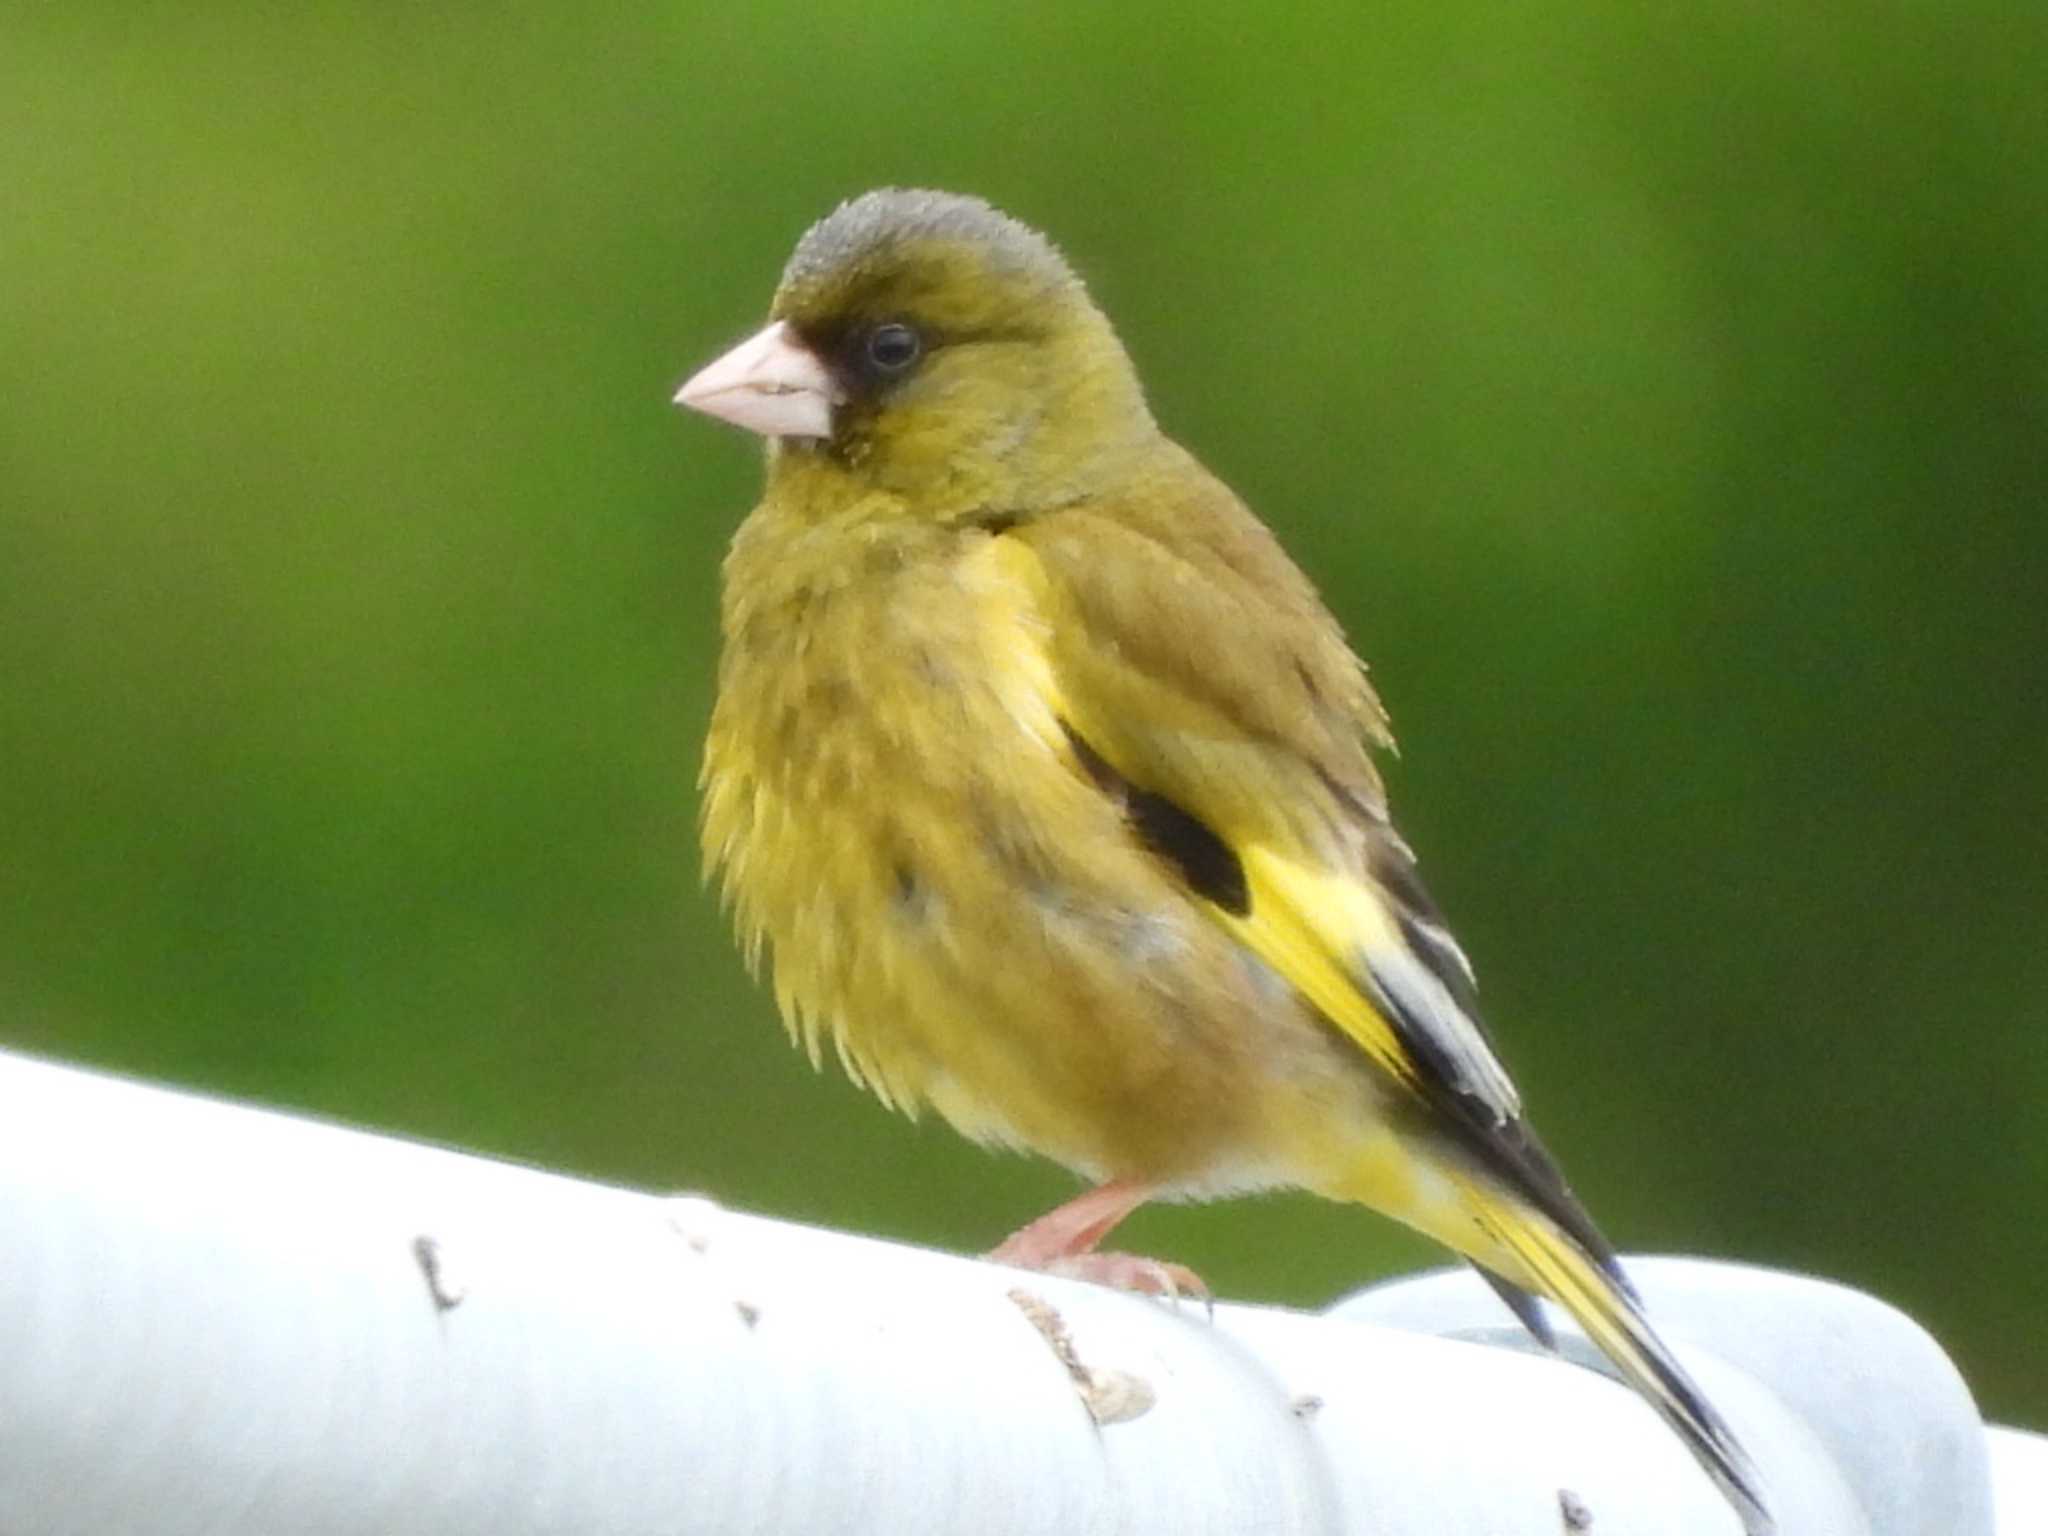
(1599, 1300)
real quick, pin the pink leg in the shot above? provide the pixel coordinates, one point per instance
(1063, 1241)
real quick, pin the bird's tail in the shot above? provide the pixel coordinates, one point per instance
(1600, 1300)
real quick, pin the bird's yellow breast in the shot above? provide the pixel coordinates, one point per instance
(899, 822)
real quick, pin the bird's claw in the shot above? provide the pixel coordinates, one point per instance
(1162, 1278)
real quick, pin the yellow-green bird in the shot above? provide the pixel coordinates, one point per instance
(1044, 780)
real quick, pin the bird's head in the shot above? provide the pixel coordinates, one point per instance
(926, 345)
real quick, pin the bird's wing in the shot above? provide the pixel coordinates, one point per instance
(1204, 683)
(1201, 679)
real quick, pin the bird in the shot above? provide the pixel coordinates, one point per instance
(1043, 782)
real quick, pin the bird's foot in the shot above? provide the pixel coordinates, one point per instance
(1062, 1242)
(1134, 1272)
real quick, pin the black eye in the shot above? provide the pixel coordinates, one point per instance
(894, 349)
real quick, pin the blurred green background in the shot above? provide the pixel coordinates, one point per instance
(1661, 396)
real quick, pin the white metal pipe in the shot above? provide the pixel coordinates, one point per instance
(221, 1319)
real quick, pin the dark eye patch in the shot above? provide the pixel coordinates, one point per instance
(873, 356)
(868, 356)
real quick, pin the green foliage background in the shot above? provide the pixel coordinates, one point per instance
(1661, 394)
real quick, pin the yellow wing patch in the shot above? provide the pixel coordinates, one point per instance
(1301, 920)
(1334, 937)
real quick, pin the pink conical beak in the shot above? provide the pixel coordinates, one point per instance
(770, 383)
